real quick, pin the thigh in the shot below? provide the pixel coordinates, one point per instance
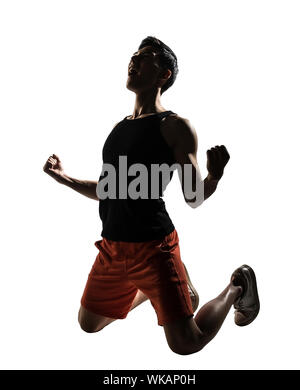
(108, 292)
(163, 279)
(91, 322)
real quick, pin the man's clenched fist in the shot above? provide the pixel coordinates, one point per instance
(53, 167)
(217, 158)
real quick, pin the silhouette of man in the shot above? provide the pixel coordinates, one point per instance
(139, 255)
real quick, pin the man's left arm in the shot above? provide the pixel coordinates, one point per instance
(185, 146)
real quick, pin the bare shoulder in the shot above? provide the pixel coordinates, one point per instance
(178, 130)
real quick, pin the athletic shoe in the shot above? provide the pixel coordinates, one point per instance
(247, 304)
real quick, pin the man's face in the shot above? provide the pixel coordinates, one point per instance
(143, 70)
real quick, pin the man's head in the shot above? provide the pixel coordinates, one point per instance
(154, 65)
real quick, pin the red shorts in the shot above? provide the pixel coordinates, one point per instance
(154, 267)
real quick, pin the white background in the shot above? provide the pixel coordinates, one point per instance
(63, 87)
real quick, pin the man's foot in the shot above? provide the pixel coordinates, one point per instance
(193, 292)
(247, 304)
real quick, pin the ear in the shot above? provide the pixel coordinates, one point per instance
(167, 74)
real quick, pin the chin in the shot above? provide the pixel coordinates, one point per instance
(130, 87)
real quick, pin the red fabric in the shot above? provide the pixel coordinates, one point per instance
(154, 267)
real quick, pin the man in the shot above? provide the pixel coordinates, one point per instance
(139, 256)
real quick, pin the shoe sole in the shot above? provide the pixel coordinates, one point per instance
(256, 297)
(194, 291)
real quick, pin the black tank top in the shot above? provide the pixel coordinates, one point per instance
(136, 220)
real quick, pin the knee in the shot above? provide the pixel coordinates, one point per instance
(179, 350)
(88, 328)
(184, 349)
(185, 343)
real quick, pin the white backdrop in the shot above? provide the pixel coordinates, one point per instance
(63, 87)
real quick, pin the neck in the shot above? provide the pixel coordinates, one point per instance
(147, 102)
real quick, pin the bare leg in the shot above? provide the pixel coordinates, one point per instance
(212, 315)
(138, 299)
(91, 322)
(190, 335)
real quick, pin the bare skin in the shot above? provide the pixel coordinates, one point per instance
(91, 322)
(187, 335)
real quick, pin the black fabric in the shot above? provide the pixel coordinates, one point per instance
(136, 220)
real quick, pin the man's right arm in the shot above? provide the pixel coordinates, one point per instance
(84, 187)
(53, 168)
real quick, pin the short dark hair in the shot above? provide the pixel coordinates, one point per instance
(166, 57)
